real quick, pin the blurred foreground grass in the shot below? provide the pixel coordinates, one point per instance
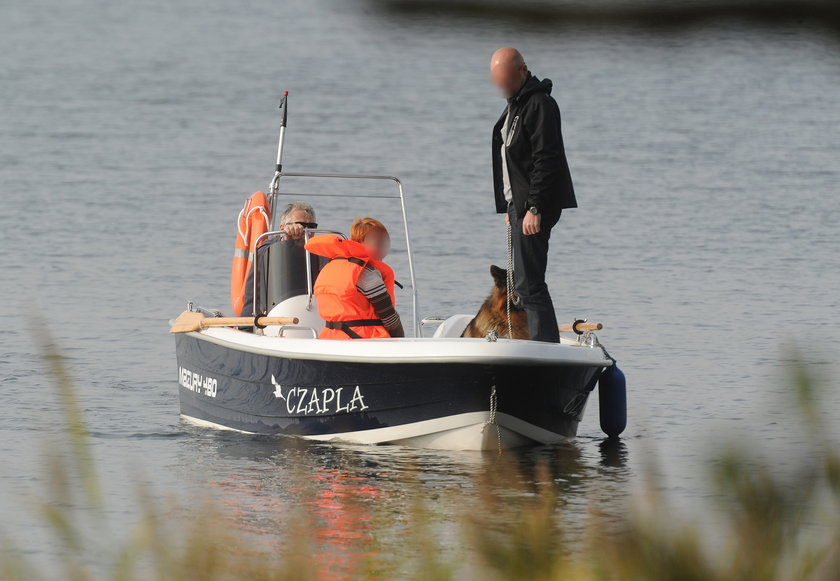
(776, 527)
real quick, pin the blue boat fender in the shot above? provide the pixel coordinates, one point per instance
(612, 399)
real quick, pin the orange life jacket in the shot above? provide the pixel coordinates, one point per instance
(254, 221)
(340, 304)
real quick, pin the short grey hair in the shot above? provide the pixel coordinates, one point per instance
(297, 207)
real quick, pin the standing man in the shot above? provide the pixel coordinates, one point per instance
(531, 180)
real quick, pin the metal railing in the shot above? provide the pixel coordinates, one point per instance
(275, 192)
(283, 328)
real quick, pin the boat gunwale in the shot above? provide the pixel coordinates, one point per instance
(217, 336)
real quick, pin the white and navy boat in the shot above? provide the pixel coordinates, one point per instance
(436, 391)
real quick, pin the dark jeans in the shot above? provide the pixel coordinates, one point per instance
(530, 258)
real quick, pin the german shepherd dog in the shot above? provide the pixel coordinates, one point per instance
(493, 313)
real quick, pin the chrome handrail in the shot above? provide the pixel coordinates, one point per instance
(256, 264)
(432, 320)
(400, 195)
(297, 328)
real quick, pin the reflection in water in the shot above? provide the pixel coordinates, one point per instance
(358, 503)
(613, 453)
(343, 519)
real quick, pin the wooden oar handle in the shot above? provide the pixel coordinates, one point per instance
(190, 321)
(580, 327)
(266, 321)
(247, 321)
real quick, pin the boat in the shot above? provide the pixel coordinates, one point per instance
(270, 374)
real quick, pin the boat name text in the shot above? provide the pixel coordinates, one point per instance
(319, 400)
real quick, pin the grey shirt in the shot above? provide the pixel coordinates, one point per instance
(505, 178)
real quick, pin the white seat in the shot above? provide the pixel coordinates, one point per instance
(296, 307)
(453, 326)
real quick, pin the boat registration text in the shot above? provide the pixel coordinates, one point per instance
(198, 383)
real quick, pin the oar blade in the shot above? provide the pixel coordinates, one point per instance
(187, 322)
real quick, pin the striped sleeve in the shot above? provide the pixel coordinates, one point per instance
(372, 286)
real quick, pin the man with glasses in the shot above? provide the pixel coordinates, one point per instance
(296, 217)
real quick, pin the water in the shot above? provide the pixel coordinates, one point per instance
(706, 240)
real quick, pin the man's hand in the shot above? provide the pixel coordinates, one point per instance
(293, 231)
(531, 224)
(507, 219)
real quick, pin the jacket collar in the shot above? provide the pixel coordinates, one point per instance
(531, 85)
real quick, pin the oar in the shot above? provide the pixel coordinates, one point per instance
(191, 321)
(580, 327)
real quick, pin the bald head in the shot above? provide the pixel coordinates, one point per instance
(508, 71)
(507, 57)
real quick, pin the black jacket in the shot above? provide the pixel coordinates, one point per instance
(536, 160)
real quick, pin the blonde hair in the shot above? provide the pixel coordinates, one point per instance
(361, 227)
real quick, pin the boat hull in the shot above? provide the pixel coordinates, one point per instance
(432, 402)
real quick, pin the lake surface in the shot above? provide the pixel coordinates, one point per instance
(706, 169)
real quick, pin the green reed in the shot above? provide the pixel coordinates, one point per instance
(766, 532)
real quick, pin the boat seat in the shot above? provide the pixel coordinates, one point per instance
(296, 307)
(453, 326)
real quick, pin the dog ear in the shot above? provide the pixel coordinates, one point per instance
(499, 276)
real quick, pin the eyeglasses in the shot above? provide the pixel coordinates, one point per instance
(304, 224)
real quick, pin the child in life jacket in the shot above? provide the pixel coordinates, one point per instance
(355, 290)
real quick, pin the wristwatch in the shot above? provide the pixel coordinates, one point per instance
(533, 210)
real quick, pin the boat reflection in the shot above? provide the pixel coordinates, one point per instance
(354, 505)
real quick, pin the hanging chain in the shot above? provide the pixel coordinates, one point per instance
(494, 399)
(510, 290)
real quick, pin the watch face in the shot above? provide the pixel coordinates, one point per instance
(533, 210)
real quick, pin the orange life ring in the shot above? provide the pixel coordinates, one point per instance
(254, 221)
